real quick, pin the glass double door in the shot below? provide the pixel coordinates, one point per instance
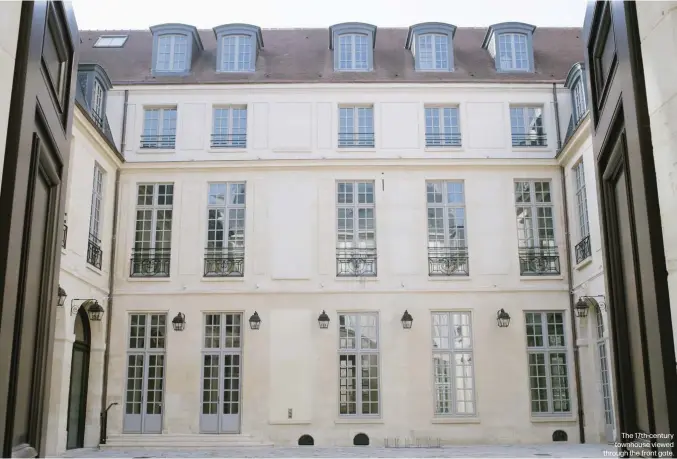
(145, 393)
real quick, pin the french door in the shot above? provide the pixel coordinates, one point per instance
(605, 377)
(144, 395)
(221, 373)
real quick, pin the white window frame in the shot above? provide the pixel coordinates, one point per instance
(507, 51)
(363, 133)
(159, 211)
(447, 255)
(439, 121)
(224, 134)
(581, 201)
(580, 104)
(97, 100)
(439, 58)
(534, 204)
(545, 349)
(349, 244)
(243, 53)
(111, 41)
(352, 63)
(165, 136)
(345, 349)
(441, 322)
(231, 213)
(528, 129)
(96, 207)
(177, 55)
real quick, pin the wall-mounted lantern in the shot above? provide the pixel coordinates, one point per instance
(255, 321)
(94, 309)
(584, 303)
(323, 320)
(179, 322)
(581, 308)
(502, 318)
(407, 320)
(61, 299)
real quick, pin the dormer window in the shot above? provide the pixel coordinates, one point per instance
(511, 46)
(353, 46)
(174, 46)
(93, 85)
(431, 44)
(575, 82)
(171, 56)
(238, 47)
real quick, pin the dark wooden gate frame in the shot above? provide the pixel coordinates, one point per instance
(622, 145)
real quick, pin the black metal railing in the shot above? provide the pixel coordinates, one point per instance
(529, 140)
(94, 252)
(65, 235)
(448, 261)
(224, 262)
(356, 262)
(158, 141)
(442, 140)
(355, 139)
(150, 263)
(535, 261)
(229, 140)
(583, 249)
(98, 119)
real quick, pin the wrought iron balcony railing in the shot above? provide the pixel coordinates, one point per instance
(94, 252)
(224, 262)
(158, 141)
(356, 262)
(355, 139)
(442, 140)
(583, 250)
(448, 261)
(150, 262)
(65, 235)
(98, 119)
(529, 140)
(229, 140)
(535, 261)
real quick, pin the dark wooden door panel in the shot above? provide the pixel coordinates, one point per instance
(31, 206)
(634, 257)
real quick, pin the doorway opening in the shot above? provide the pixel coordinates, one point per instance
(77, 391)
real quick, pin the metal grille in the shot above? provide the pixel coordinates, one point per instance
(548, 366)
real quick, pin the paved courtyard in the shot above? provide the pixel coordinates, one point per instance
(549, 450)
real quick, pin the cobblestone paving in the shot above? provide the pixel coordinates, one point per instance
(550, 450)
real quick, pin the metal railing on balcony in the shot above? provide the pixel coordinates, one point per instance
(529, 140)
(98, 119)
(224, 262)
(356, 262)
(536, 261)
(583, 250)
(65, 235)
(229, 140)
(442, 140)
(448, 261)
(150, 262)
(355, 139)
(94, 252)
(158, 141)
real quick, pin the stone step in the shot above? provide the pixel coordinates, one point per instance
(204, 441)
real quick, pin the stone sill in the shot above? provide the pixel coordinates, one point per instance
(449, 278)
(358, 421)
(149, 279)
(458, 420)
(356, 279)
(155, 151)
(222, 279)
(94, 269)
(542, 278)
(583, 263)
(227, 150)
(546, 419)
(444, 150)
(288, 422)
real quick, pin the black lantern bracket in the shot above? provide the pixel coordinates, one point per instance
(595, 301)
(502, 318)
(92, 306)
(323, 320)
(179, 322)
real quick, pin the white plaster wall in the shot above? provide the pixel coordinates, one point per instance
(301, 121)
(290, 278)
(82, 281)
(657, 25)
(10, 14)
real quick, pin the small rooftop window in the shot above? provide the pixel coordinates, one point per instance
(111, 41)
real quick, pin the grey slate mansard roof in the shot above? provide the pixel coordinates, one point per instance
(303, 56)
